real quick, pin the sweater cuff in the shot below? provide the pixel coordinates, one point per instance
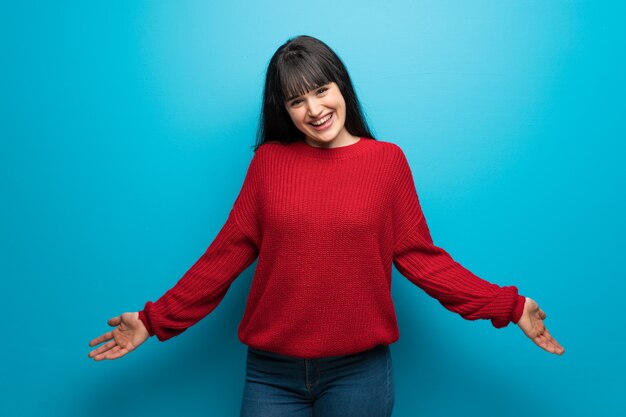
(519, 309)
(146, 322)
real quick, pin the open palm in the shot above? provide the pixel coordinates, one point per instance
(532, 325)
(128, 334)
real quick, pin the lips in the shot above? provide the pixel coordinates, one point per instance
(322, 122)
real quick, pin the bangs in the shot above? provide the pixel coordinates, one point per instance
(300, 74)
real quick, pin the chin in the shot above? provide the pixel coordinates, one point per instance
(324, 138)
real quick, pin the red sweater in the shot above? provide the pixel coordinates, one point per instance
(326, 226)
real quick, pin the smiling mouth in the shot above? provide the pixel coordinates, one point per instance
(321, 121)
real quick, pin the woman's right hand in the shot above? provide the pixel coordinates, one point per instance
(128, 334)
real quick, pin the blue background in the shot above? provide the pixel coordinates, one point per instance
(126, 132)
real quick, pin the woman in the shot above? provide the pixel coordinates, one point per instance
(327, 210)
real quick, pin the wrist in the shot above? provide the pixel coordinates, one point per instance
(145, 321)
(518, 310)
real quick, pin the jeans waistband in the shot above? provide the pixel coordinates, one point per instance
(296, 358)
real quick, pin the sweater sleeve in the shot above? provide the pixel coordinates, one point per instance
(433, 269)
(205, 284)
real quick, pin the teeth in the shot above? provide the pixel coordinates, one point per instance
(321, 121)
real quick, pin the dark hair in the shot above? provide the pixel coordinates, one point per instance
(299, 65)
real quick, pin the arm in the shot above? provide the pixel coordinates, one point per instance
(201, 288)
(205, 284)
(195, 295)
(456, 288)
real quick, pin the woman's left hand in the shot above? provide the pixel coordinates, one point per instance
(532, 325)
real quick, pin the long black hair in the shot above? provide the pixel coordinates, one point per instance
(301, 64)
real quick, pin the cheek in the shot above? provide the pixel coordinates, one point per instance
(341, 104)
(296, 117)
(343, 111)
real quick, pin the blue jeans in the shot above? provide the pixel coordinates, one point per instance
(359, 385)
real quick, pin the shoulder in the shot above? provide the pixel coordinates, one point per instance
(396, 162)
(388, 145)
(390, 150)
(264, 151)
(269, 147)
(267, 157)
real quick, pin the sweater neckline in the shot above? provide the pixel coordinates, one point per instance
(331, 153)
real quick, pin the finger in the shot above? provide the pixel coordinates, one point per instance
(114, 353)
(102, 349)
(118, 353)
(541, 314)
(105, 354)
(544, 343)
(102, 338)
(557, 348)
(115, 321)
(547, 342)
(553, 347)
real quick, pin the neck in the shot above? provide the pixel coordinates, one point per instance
(343, 139)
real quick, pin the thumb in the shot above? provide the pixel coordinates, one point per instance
(115, 321)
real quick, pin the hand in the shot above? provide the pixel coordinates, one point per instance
(129, 333)
(531, 324)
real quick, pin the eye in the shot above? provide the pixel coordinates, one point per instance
(322, 90)
(295, 102)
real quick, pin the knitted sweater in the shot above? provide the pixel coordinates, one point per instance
(326, 225)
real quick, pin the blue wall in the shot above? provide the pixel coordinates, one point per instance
(126, 130)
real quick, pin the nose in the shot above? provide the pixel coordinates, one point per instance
(314, 108)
